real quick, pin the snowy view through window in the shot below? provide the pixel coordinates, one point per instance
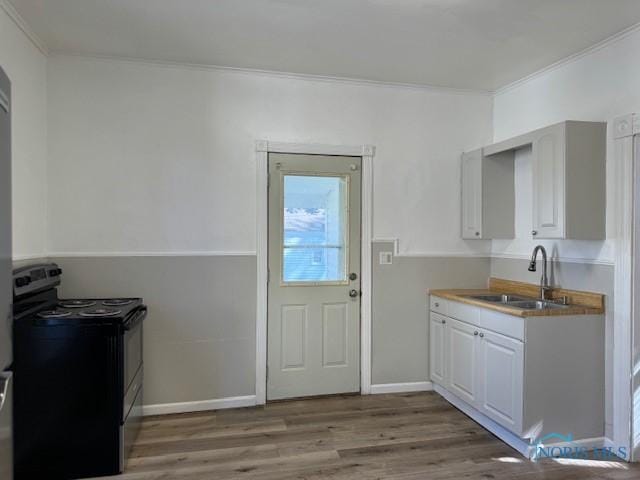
(314, 219)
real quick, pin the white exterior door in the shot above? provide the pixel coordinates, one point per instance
(461, 365)
(313, 327)
(548, 160)
(437, 343)
(501, 363)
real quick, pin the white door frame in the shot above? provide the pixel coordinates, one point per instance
(626, 321)
(367, 152)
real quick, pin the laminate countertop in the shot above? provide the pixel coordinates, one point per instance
(579, 302)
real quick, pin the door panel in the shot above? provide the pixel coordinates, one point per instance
(472, 195)
(437, 344)
(334, 334)
(314, 263)
(502, 367)
(294, 336)
(461, 360)
(548, 184)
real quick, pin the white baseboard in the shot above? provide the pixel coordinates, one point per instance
(521, 445)
(401, 387)
(199, 406)
(499, 431)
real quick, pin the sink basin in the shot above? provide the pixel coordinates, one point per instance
(536, 305)
(525, 303)
(494, 298)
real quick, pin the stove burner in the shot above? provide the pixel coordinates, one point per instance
(53, 314)
(77, 303)
(100, 312)
(116, 302)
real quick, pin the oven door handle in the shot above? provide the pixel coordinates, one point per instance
(136, 318)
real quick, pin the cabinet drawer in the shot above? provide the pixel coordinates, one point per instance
(508, 325)
(439, 305)
(464, 312)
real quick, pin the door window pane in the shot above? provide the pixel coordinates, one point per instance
(315, 228)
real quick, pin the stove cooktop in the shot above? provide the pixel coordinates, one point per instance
(89, 309)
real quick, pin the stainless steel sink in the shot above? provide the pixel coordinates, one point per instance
(494, 298)
(536, 305)
(524, 303)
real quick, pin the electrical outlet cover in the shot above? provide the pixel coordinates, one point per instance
(386, 258)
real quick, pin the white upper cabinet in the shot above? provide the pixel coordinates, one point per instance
(569, 181)
(487, 196)
(472, 194)
(548, 183)
(568, 163)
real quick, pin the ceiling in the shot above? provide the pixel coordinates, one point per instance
(467, 44)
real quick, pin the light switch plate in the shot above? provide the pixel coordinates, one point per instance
(386, 258)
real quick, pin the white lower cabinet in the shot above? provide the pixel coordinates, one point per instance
(461, 352)
(528, 376)
(481, 367)
(500, 375)
(437, 340)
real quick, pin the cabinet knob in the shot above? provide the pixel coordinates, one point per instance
(481, 335)
(437, 304)
(475, 333)
(477, 234)
(443, 321)
(534, 232)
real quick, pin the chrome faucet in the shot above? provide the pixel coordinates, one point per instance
(544, 280)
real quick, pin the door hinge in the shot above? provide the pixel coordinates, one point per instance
(268, 180)
(267, 372)
(268, 275)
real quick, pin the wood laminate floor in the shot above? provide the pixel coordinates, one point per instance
(401, 436)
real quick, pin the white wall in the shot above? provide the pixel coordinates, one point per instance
(598, 86)
(158, 158)
(26, 66)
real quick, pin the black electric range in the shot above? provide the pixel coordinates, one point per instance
(78, 367)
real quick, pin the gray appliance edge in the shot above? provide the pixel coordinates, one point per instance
(6, 294)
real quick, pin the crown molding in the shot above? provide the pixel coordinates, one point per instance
(274, 73)
(20, 22)
(569, 59)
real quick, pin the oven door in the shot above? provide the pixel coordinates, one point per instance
(132, 349)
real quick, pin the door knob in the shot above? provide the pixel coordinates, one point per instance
(353, 293)
(534, 232)
(353, 276)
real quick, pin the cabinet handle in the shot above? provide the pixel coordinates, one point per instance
(443, 321)
(534, 232)
(475, 333)
(481, 335)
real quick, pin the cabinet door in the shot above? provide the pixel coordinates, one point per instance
(472, 195)
(548, 168)
(461, 354)
(437, 343)
(501, 367)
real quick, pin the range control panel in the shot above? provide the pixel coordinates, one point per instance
(33, 278)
